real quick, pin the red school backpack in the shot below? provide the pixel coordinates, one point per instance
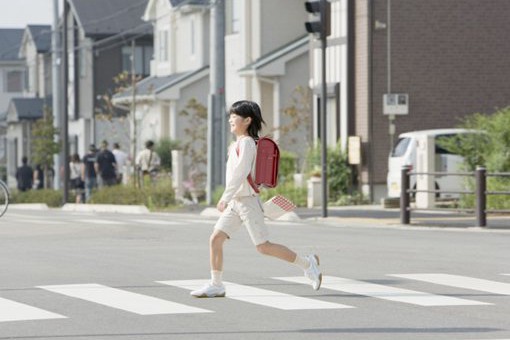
(267, 161)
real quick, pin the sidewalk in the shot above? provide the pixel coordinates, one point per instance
(373, 215)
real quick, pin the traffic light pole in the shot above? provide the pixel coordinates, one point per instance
(324, 148)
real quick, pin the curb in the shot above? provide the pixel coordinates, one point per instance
(127, 209)
(288, 217)
(28, 206)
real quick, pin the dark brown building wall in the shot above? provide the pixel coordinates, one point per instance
(450, 56)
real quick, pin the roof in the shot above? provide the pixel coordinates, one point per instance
(151, 86)
(284, 52)
(108, 17)
(176, 3)
(28, 108)
(10, 40)
(41, 34)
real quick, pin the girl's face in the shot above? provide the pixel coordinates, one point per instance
(238, 124)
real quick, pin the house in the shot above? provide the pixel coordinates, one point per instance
(98, 50)
(28, 106)
(12, 83)
(446, 56)
(266, 59)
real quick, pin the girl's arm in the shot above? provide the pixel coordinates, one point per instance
(241, 169)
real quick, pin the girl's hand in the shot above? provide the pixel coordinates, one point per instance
(221, 206)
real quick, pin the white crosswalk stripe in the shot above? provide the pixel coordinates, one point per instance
(158, 222)
(16, 311)
(260, 296)
(99, 221)
(461, 282)
(124, 300)
(385, 292)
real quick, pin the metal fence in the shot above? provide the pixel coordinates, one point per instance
(480, 191)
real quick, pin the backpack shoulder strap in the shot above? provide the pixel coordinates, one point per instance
(249, 178)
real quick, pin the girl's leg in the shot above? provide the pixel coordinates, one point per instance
(277, 250)
(216, 241)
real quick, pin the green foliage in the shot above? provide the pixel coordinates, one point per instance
(43, 143)
(490, 148)
(287, 166)
(339, 172)
(217, 194)
(164, 149)
(296, 194)
(156, 196)
(51, 197)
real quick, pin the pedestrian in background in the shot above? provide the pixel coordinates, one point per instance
(24, 175)
(88, 172)
(240, 205)
(148, 162)
(75, 181)
(106, 166)
(121, 159)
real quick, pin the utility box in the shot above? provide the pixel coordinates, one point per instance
(425, 163)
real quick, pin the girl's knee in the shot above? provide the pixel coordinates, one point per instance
(217, 238)
(264, 248)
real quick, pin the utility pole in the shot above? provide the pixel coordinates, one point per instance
(64, 133)
(133, 112)
(322, 29)
(55, 81)
(216, 118)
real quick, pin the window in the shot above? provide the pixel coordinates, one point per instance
(14, 81)
(143, 56)
(192, 36)
(233, 11)
(401, 147)
(163, 45)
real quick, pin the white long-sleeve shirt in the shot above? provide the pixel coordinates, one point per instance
(239, 165)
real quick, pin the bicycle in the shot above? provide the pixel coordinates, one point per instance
(4, 198)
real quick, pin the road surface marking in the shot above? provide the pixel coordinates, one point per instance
(160, 222)
(121, 299)
(99, 221)
(460, 282)
(384, 292)
(260, 296)
(16, 311)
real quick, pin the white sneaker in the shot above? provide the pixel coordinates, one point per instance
(314, 272)
(209, 291)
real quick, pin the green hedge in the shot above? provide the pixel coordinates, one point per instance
(52, 198)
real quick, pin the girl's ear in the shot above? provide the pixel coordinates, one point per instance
(247, 120)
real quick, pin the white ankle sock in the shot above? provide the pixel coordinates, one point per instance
(302, 262)
(216, 277)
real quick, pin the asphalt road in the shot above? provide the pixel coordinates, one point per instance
(68, 275)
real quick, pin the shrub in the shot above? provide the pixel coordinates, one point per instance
(159, 195)
(296, 194)
(287, 166)
(52, 198)
(164, 149)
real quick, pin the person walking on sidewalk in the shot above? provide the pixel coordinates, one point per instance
(239, 205)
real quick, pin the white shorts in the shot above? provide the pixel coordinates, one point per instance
(248, 211)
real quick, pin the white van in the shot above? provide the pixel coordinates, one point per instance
(404, 153)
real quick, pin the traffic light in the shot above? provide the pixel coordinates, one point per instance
(321, 8)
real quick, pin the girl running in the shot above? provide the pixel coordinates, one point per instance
(240, 205)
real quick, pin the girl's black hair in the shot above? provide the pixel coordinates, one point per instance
(246, 108)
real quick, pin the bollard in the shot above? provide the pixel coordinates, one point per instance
(481, 196)
(405, 196)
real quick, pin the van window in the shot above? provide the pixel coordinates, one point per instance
(440, 150)
(400, 148)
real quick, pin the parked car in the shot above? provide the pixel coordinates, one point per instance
(404, 153)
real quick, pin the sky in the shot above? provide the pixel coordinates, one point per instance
(19, 13)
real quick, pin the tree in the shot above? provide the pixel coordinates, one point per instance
(195, 145)
(43, 143)
(297, 129)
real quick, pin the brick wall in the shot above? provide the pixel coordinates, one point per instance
(450, 56)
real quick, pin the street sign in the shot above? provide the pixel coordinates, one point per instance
(396, 104)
